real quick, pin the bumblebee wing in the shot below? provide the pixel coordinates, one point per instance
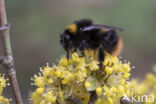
(111, 27)
(94, 27)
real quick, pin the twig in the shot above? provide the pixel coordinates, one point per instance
(6, 27)
(8, 62)
(1, 59)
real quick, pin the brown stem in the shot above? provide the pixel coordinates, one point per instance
(9, 65)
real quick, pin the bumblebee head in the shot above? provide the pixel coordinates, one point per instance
(66, 41)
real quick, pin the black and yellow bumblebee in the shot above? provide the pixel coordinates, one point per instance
(83, 34)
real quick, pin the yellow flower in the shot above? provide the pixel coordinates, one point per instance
(4, 100)
(47, 71)
(3, 81)
(50, 81)
(99, 90)
(105, 62)
(127, 75)
(39, 81)
(53, 99)
(93, 66)
(121, 89)
(80, 75)
(99, 101)
(110, 100)
(65, 81)
(89, 52)
(63, 62)
(75, 57)
(108, 70)
(126, 67)
(58, 73)
(87, 84)
(114, 89)
(40, 90)
(49, 97)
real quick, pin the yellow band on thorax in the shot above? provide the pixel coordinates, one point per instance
(72, 28)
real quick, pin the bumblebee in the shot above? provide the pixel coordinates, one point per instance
(83, 34)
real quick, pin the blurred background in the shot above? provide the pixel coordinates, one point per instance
(37, 24)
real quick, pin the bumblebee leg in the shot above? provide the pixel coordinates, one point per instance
(69, 49)
(83, 54)
(67, 54)
(93, 97)
(84, 45)
(74, 50)
(101, 57)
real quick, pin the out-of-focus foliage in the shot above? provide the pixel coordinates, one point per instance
(144, 90)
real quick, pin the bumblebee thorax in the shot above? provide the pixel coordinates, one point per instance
(72, 28)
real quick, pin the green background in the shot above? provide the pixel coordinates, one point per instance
(37, 24)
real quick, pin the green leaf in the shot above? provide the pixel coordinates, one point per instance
(94, 83)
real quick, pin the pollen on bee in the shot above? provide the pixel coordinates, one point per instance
(72, 28)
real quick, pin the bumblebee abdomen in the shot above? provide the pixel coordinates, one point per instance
(110, 41)
(118, 47)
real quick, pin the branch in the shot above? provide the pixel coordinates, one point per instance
(8, 61)
(6, 27)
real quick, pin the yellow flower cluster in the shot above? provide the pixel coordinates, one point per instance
(79, 76)
(145, 90)
(3, 100)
